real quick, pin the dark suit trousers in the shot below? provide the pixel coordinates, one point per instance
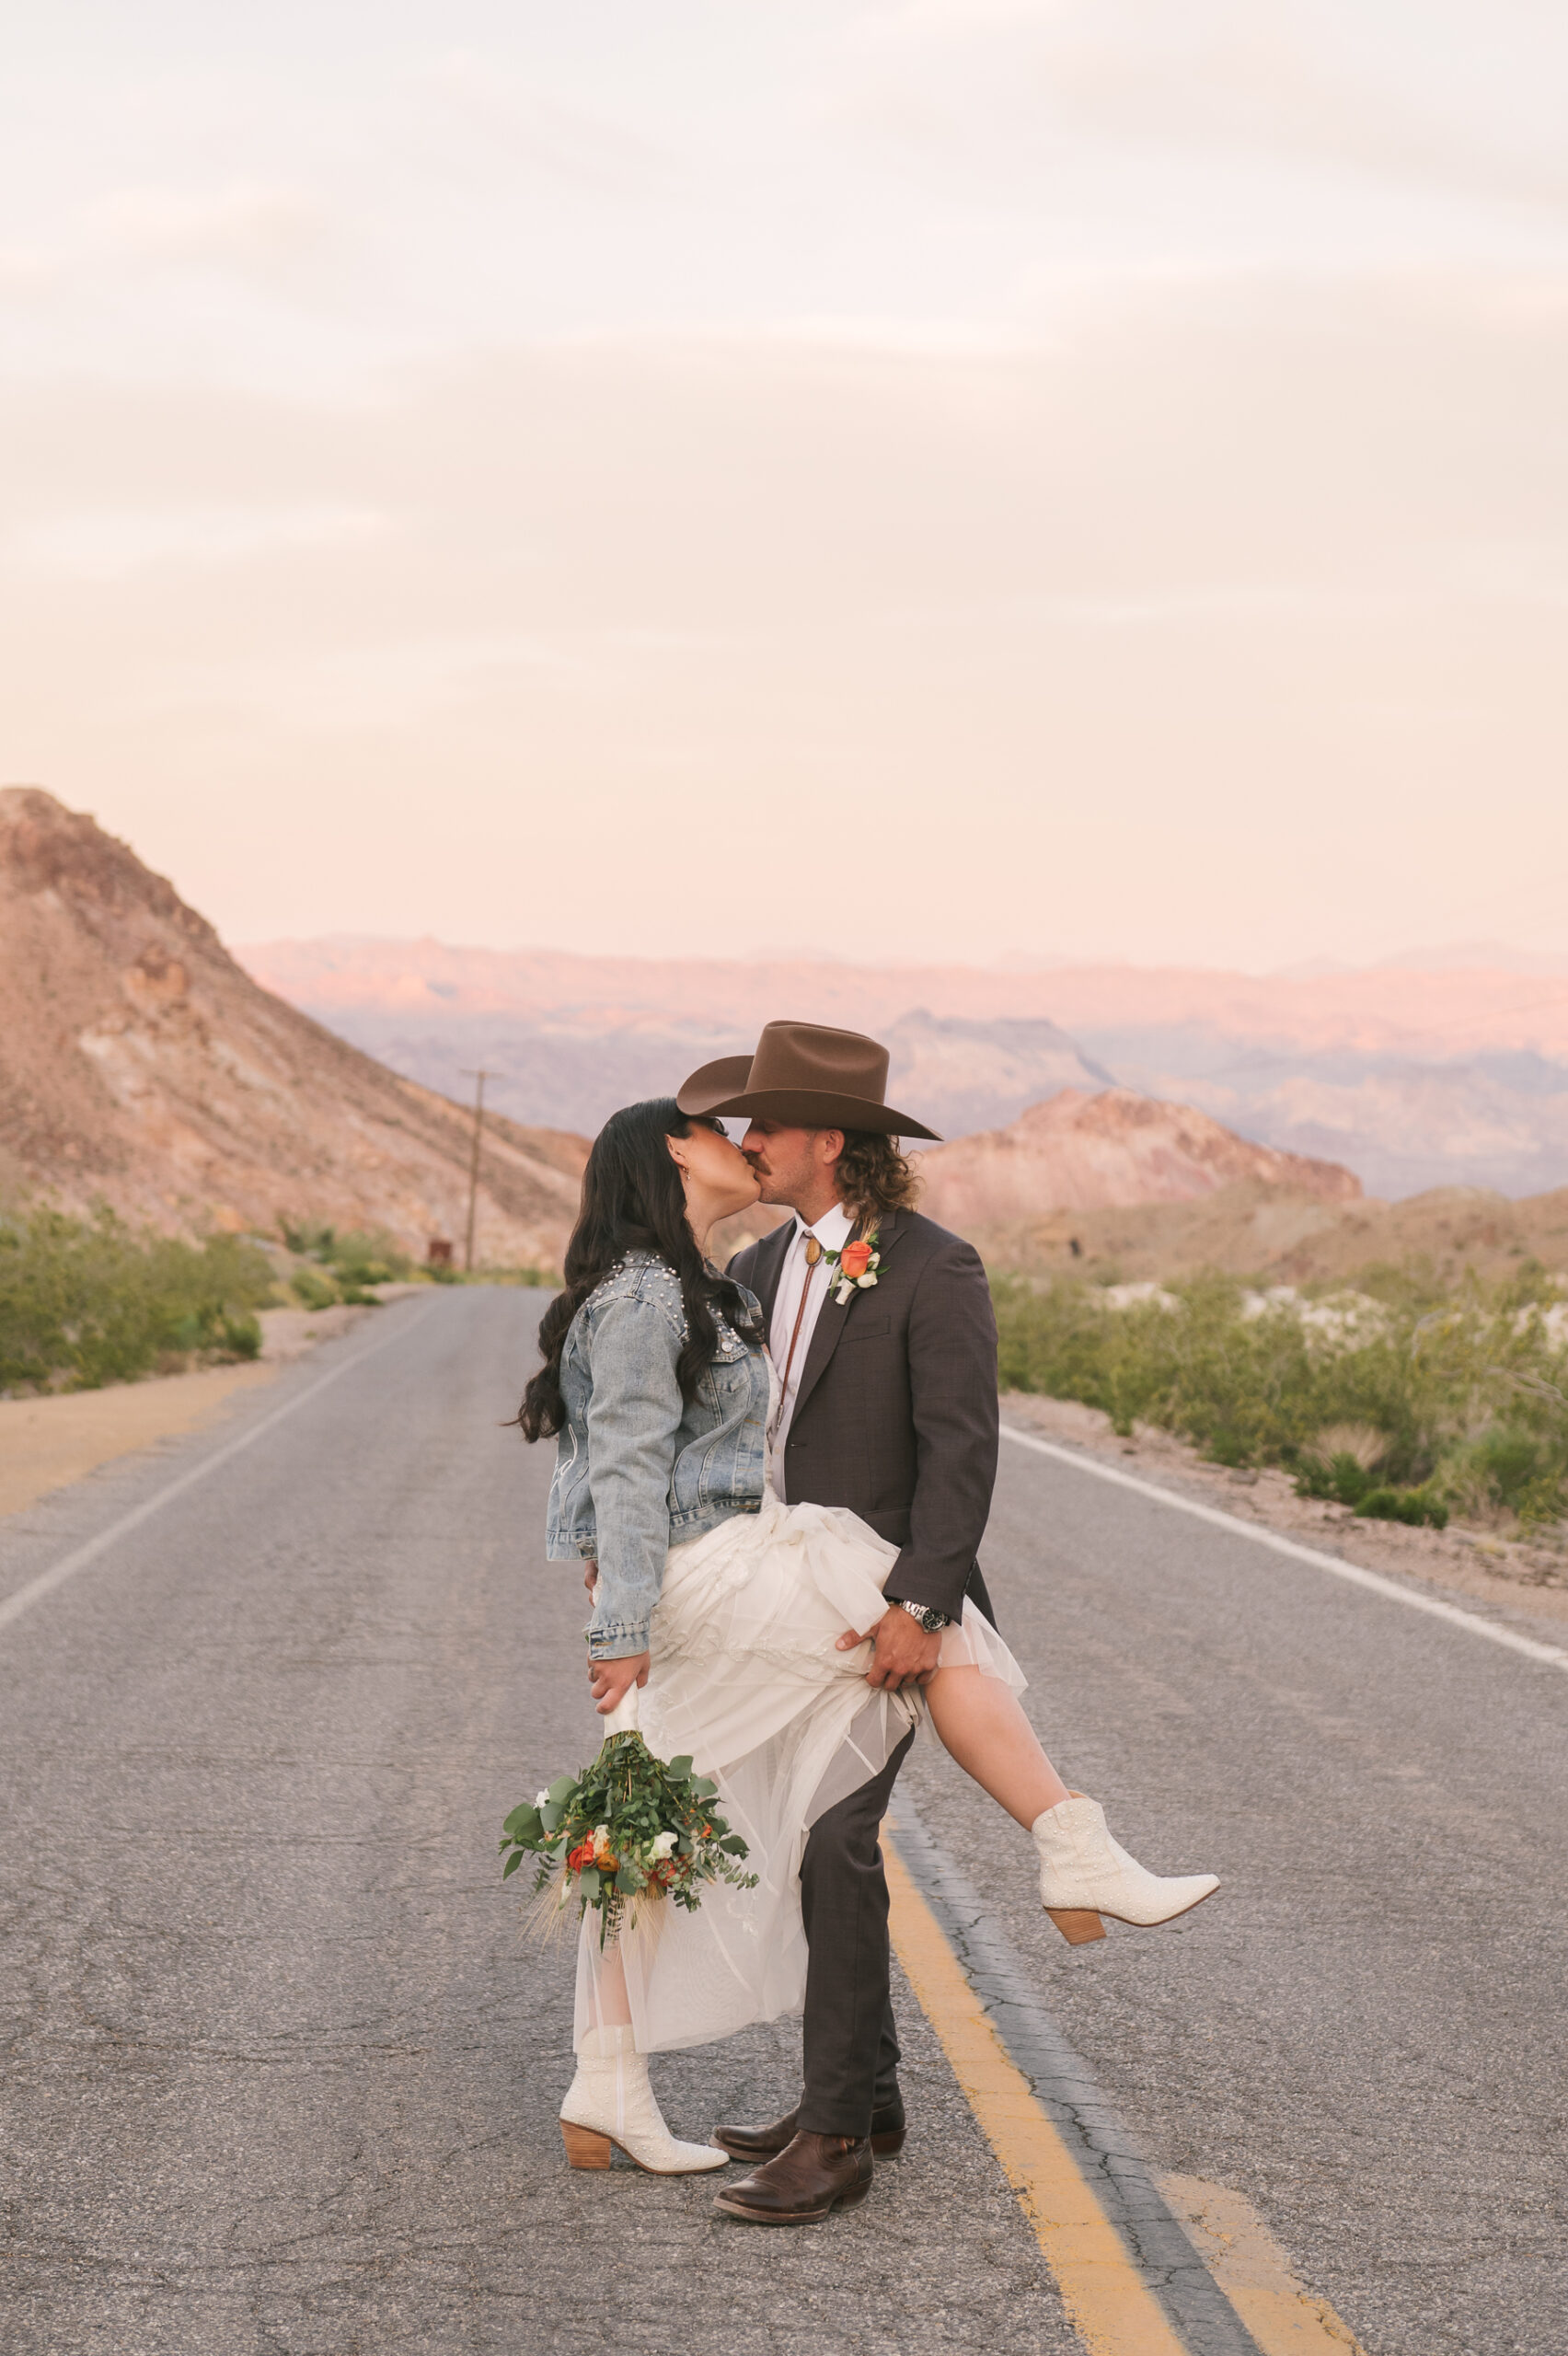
(852, 2050)
(851, 2043)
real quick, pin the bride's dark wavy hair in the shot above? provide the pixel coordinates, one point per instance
(633, 1201)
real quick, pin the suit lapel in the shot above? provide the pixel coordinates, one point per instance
(832, 1321)
(771, 1254)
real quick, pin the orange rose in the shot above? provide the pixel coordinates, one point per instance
(582, 1855)
(854, 1260)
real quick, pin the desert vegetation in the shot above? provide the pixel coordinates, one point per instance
(1408, 1397)
(89, 1301)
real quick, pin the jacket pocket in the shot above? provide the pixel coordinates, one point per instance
(866, 1329)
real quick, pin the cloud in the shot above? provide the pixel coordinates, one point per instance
(114, 544)
(1233, 612)
(534, 130)
(1281, 80)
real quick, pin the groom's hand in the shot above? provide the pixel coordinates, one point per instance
(608, 1680)
(905, 1653)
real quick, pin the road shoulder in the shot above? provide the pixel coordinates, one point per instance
(46, 1443)
(1522, 1581)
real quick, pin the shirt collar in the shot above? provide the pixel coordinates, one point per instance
(833, 1230)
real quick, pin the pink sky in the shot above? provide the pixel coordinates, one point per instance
(961, 479)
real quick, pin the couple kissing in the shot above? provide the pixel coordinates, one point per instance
(777, 1476)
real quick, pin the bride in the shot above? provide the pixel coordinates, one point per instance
(724, 1621)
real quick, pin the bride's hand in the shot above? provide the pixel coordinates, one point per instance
(608, 1680)
(590, 1575)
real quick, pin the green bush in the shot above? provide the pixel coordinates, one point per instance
(1416, 1507)
(312, 1291)
(89, 1301)
(1465, 1390)
(357, 1258)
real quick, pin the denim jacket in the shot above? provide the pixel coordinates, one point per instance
(638, 1468)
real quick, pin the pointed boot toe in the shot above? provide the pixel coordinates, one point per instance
(1086, 1875)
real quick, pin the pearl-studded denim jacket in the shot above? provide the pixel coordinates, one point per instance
(638, 1468)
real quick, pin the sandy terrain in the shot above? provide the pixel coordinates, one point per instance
(46, 1443)
(1490, 1569)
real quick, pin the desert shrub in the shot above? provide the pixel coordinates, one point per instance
(89, 1302)
(1414, 1506)
(357, 1257)
(313, 1291)
(1458, 1395)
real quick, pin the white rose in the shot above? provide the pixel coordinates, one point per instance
(543, 1800)
(665, 1846)
(868, 1279)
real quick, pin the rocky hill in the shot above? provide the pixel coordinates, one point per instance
(1081, 1153)
(142, 1067)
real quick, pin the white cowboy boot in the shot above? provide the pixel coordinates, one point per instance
(1084, 1874)
(611, 2102)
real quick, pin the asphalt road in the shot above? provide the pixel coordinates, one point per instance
(281, 2077)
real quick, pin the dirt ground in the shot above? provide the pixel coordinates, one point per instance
(46, 1443)
(1490, 1568)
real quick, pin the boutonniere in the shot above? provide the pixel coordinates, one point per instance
(857, 1269)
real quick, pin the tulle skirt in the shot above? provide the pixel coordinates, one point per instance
(746, 1677)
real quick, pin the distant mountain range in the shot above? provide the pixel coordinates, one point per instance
(1410, 1077)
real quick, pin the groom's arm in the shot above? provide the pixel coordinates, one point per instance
(952, 1383)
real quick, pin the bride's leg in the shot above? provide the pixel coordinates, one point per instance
(1083, 1872)
(609, 2005)
(983, 1726)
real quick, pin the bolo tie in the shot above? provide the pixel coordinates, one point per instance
(813, 1254)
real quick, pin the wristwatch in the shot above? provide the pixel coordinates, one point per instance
(931, 1621)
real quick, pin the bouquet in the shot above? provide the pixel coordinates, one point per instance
(628, 1830)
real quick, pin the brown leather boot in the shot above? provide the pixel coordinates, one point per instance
(811, 2176)
(762, 2142)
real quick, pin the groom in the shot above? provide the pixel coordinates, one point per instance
(888, 1406)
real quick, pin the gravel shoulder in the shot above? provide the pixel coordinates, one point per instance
(47, 1443)
(1516, 1576)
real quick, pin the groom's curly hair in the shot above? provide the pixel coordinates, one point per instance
(874, 1177)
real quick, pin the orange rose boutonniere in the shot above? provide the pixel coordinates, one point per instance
(857, 1265)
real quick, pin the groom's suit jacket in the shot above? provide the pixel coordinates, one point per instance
(896, 1413)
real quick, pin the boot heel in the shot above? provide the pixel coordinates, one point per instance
(1077, 1924)
(856, 2192)
(585, 2148)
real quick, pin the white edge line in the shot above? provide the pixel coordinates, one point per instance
(69, 1565)
(1554, 1654)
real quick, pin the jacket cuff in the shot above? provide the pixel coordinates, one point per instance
(924, 1583)
(616, 1643)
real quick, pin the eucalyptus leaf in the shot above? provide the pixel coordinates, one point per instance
(679, 1769)
(562, 1788)
(511, 1864)
(703, 1787)
(588, 1882)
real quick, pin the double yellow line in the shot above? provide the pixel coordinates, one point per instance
(1107, 2299)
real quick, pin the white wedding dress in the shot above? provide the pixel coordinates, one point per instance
(746, 1677)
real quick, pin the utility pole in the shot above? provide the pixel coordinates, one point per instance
(478, 1079)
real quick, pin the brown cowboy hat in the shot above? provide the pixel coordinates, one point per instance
(806, 1077)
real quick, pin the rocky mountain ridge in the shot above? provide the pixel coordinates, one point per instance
(1413, 1079)
(142, 1067)
(1078, 1152)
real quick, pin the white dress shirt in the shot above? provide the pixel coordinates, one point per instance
(832, 1231)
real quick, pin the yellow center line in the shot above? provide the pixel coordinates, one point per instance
(1107, 2299)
